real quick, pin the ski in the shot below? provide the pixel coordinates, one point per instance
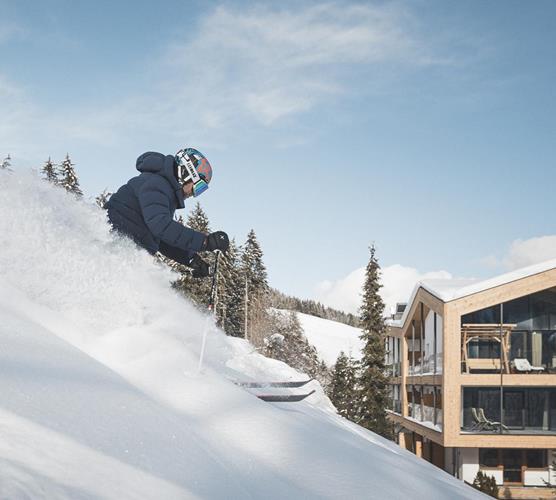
(284, 398)
(288, 384)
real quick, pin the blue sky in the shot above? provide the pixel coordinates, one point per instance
(426, 127)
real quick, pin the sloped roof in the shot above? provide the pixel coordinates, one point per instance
(452, 289)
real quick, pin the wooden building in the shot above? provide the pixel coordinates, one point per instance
(473, 378)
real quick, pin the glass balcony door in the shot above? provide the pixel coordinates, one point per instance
(512, 461)
(514, 407)
(530, 410)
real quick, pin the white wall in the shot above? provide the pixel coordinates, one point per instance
(497, 474)
(469, 466)
(469, 463)
(535, 478)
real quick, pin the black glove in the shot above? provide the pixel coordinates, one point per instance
(200, 268)
(218, 241)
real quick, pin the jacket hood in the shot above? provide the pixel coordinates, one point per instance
(163, 165)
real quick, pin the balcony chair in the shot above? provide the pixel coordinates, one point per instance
(523, 365)
(478, 425)
(482, 423)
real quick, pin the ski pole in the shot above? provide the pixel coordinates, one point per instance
(210, 315)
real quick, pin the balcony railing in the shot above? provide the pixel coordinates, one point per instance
(425, 413)
(394, 370)
(428, 366)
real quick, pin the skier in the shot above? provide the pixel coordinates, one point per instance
(143, 208)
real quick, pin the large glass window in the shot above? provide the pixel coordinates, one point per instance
(490, 315)
(425, 403)
(395, 403)
(513, 462)
(488, 457)
(528, 410)
(518, 336)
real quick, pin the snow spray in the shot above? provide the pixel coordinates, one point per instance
(210, 319)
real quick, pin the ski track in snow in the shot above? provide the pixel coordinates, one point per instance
(100, 395)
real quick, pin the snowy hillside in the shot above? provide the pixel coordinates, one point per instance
(100, 395)
(330, 338)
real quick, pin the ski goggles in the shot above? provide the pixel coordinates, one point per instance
(189, 173)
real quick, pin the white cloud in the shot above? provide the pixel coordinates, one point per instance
(235, 67)
(398, 282)
(524, 253)
(265, 64)
(343, 294)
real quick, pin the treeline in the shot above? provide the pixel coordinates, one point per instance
(243, 297)
(280, 300)
(243, 306)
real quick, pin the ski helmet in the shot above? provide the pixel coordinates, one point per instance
(191, 165)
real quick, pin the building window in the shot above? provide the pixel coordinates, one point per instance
(536, 459)
(488, 457)
(512, 462)
(518, 336)
(530, 410)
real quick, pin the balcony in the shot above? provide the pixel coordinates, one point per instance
(518, 336)
(428, 366)
(491, 348)
(426, 414)
(526, 411)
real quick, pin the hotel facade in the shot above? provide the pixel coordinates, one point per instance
(472, 373)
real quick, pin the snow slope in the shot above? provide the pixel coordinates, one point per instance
(330, 337)
(100, 395)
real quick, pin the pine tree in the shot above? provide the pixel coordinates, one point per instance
(68, 178)
(324, 375)
(343, 386)
(257, 290)
(373, 397)
(196, 289)
(486, 484)
(287, 343)
(230, 305)
(49, 172)
(6, 164)
(102, 199)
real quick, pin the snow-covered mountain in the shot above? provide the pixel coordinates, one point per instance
(100, 395)
(330, 338)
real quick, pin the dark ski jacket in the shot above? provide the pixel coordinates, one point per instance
(144, 207)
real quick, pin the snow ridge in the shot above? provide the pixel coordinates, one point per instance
(99, 395)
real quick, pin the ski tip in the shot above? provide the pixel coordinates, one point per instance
(284, 398)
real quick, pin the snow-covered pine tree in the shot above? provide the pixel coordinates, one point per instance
(256, 290)
(197, 290)
(373, 395)
(230, 304)
(68, 178)
(49, 172)
(102, 199)
(342, 390)
(287, 343)
(6, 163)
(324, 375)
